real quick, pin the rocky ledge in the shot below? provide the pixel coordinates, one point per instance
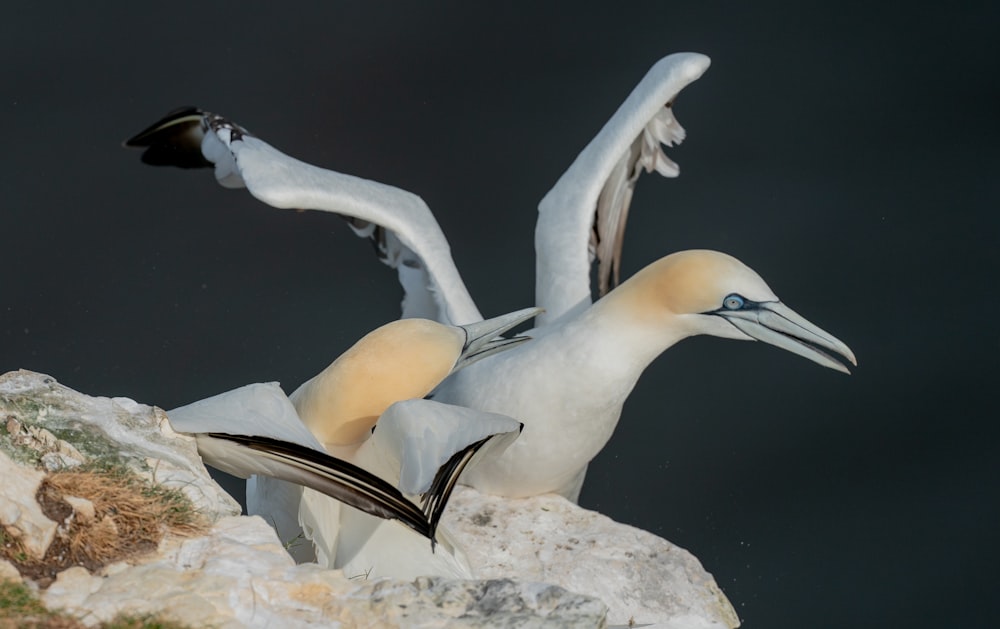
(542, 562)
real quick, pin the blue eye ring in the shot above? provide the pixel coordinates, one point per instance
(733, 302)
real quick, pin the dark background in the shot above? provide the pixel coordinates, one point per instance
(847, 152)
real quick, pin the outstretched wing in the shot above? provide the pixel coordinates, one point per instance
(583, 216)
(405, 234)
(421, 446)
(242, 456)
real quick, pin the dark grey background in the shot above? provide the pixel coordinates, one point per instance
(846, 152)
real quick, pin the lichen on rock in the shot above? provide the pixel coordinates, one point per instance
(72, 498)
(44, 422)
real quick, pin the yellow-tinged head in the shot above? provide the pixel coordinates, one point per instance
(401, 360)
(708, 292)
(698, 280)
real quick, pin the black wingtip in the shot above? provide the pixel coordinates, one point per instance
(436, 498)
(174, 140)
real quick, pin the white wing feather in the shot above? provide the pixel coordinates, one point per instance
(285, 182)
(604, 175)
(254, 410)
(581, 218)
(437, 292)
(414, 438)
(412, 441)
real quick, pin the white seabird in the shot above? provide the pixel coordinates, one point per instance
(391, 446)
(604, 349)
(567, 387)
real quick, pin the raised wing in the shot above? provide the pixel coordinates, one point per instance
(583, 216)
(645, 154)
(399, 223)
(422, 446)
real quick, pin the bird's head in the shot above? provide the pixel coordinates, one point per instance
(401, 360)
(707, 292)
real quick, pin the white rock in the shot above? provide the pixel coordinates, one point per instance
(641, 577)
(55, 461)
(547, 563)
(131, 433)
(83, 508)
(20, 513)
(8, 572)
(239, 576)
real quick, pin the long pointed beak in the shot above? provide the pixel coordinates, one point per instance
(481, 338)
(775, 323)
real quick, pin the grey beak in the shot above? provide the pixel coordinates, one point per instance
(775, 323)
(481, 337)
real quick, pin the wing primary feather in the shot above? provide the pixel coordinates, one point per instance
(436, 498)
(644, 154)
(610, 218)
(174, 140)
(334, 477)
(601, 179)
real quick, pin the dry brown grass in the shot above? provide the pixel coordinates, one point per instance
(129, 518)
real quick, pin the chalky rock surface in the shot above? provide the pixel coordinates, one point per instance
(641, 577)
(47, 421)
(20, 514)
(543, 561)
(240, 576)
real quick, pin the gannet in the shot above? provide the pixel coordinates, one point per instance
(604, 349)
(568, 386)
(366, 409)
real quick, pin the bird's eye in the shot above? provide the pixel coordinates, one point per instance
(733, 302)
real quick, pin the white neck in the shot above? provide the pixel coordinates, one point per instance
(624, 339)
(567, 386)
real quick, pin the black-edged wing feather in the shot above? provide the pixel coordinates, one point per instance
(436, 499)
(174, 140)
(243, 455)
